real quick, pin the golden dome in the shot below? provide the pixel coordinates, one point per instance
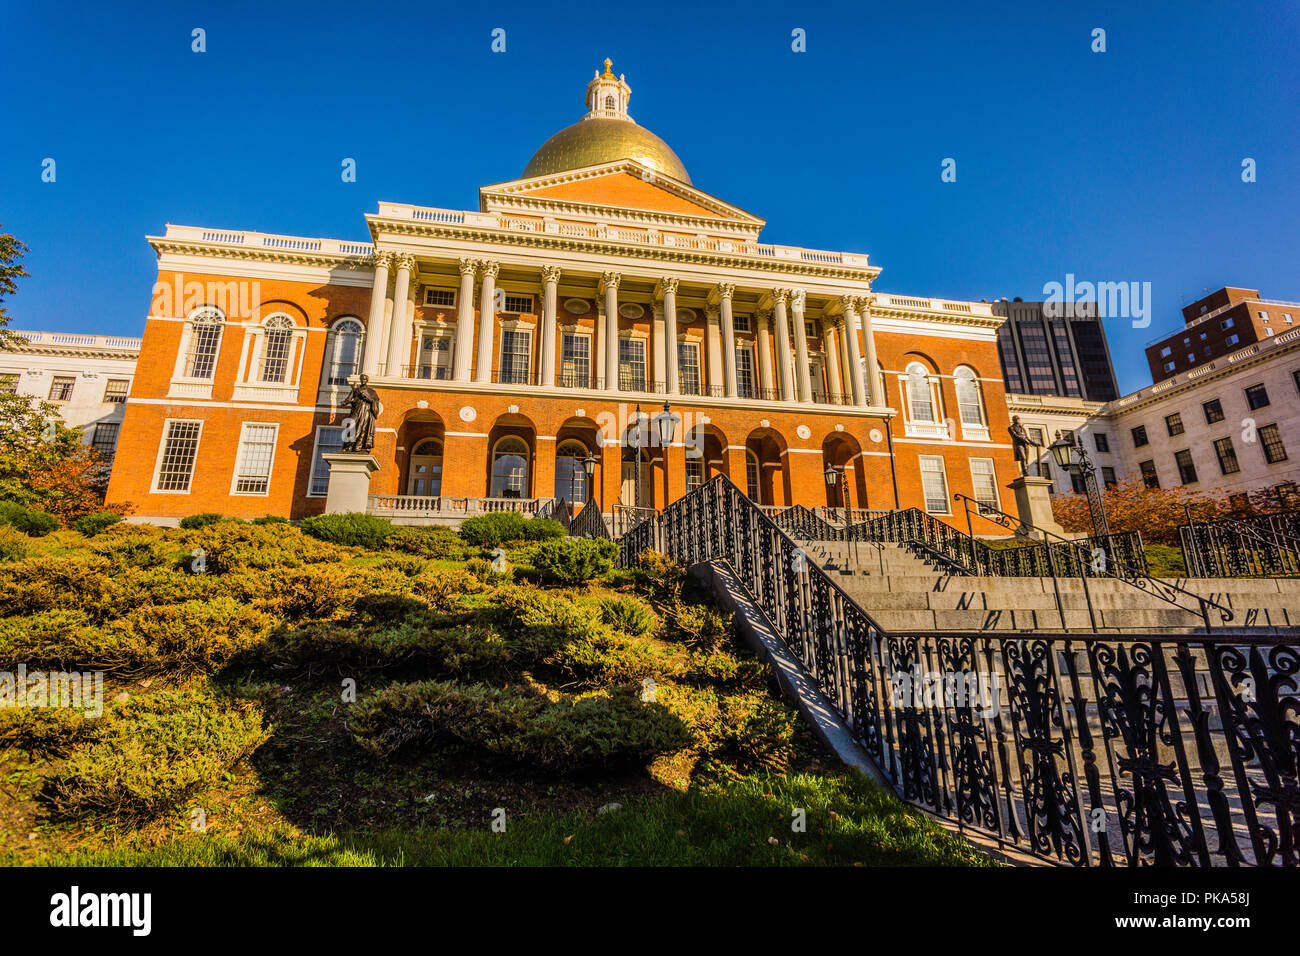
(590, 142)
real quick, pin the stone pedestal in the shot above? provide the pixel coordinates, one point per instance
(349, 486)
(1033, 505)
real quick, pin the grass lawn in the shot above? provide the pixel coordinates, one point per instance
(300, 702)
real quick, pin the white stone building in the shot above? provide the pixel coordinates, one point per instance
(87, 376)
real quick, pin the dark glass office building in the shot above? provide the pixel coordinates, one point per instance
(1067, 356)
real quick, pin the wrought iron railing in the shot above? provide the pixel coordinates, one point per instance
(1261, 547)
(1094, 750)
(626, 517)
(589, 523)
(557, 509)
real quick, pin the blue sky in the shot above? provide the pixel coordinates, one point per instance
(1115, 166)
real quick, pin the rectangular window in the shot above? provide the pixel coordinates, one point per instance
(115, 391)
(1232, 339)
(180, 447)
(1170, 366)
(1108, 477)
(688, 367)
(1174, 424)
(1268, 330)
(519, 304)
(1077, 483)
(516, 356)
(740, 323)
(631, 364)
(1227, 456)
(1271, 439)
(1149, 476)
(575, 361)
(329, 439)
(435, 358)
(985, 481)
(201, 359)
(1139, 436)
(61, 388)
(1186, 469)
(1166, 352)
(934, 485)
(1295, 377)
(9, 383)
(444, 297)
(745, 387)
(810, 328)
(1213, 411)
(1256, 396)
(1226, 324)
(694, 473)
(1103, 443)
(104, 441)
(253, 463)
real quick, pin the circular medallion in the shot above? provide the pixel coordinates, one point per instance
(467, 414)
(803, 431)
(875, 435)
(577, 306)
(630, 310)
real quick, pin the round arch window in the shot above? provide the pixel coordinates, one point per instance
(425, 478)
(570, 476)
(510, 469)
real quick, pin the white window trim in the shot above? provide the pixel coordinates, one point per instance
(993, 468)
(315, 453)
(327, 391)
(943, 470)
(426, 304)
(189, 386)
(931, 429)
(247, 387)
(436, 330)
(972, 432)
(162, 445)
(239, 448)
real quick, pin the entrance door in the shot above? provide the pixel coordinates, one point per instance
(425, 477)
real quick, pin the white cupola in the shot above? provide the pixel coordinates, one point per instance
(607, 95)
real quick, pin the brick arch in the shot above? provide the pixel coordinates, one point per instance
(768, 448)
(843, 452)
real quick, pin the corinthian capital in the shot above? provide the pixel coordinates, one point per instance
(550, 274)
(468, 266)
(610, 280)
(383, 259)
(491, 269)
(798, 299)
(726, 290)
(668, 285)
(780, 295)
(404, 260)
(850, 303)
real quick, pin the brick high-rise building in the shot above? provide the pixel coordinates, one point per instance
(1218, 324)
(510, 343)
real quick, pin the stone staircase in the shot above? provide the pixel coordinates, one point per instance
(906, 591)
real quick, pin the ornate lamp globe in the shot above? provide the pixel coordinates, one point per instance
(831, 475)
(1066, 453)
(666, 423)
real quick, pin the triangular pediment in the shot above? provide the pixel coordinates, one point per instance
(625, 185)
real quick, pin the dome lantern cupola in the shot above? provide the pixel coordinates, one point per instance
(607, 95)
(606, 134)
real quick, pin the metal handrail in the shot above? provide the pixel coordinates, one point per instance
(1157, 587)
(1171, 742)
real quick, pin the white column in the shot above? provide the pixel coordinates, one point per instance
(875, 391)
(671, 382)
(464, 354)
(398, 326)
(713, 340)
(725, 291)
(610, 281)
(375, 325)
(846, 373)
(764, 357)
(800, 346)
(855, 363)
(834, 370)
(550, 281)
(487, 321)
(782, 344)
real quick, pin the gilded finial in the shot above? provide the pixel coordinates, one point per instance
(608, 64)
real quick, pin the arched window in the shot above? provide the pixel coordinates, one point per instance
(570, 475)
(752, 473)
(969, 406)
(206, 325)
(276, 348)
(426, 469)
(609, 102)
(343, 352)
(509, 468)
(920, 397)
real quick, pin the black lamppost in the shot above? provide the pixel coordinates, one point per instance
(589, 466)
(1071, 456)
(638, 442)
(666, 426)
(832, 476)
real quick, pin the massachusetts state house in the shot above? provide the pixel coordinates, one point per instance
(513, 346)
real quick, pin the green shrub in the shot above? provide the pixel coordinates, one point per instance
(413, 646)
(37, 524)
(700, 626)
(491, 530)
(270, 519)
(629, 616)
(92, 524)
(1165, 561)
(151, 753)
(13, 544)
(44, 582)
(202, 520)
(431, 542)
(355, 529)
(231, 544)
(574, 560)
(540, 622)
(482, 570)
(133, 545)
(519, 727)
(754, 733)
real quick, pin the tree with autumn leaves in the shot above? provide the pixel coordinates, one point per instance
(1157, 512)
